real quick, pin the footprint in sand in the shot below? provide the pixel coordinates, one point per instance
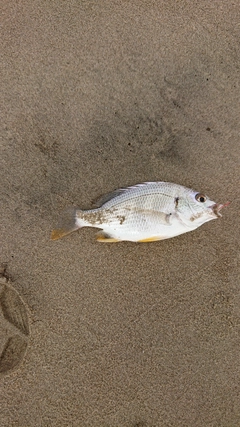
(14, 328)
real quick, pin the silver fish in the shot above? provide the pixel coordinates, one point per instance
(143, 213)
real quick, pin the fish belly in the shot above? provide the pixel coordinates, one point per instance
(139, 225)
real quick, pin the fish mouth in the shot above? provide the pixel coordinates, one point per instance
(217, 207)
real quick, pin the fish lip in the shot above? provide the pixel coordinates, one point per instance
(217, 207)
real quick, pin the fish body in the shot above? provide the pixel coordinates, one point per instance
(145, 212)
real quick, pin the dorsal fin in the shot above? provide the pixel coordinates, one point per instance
(109, 196)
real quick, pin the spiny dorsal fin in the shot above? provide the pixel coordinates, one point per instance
(109, 196)
(106, 197)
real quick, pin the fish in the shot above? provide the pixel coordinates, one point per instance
(146, 212)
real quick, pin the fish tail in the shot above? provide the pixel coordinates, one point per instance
(68, 223)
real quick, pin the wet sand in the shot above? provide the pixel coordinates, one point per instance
(96, 96)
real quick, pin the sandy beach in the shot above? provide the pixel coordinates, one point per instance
(98, 95)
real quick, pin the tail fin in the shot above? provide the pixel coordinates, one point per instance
(67, 224)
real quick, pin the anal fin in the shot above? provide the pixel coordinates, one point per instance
(106, 238)
(150, 239)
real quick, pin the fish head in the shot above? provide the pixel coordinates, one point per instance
(196, 208)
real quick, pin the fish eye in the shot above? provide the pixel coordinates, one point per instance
(200, 198)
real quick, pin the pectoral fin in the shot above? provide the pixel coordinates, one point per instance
(106, 238)
(160, 217)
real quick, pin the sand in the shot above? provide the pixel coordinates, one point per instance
(96, 95)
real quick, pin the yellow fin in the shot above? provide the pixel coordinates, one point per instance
(150, 239)
(105, 238)
(59, 233)
(67, 223)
